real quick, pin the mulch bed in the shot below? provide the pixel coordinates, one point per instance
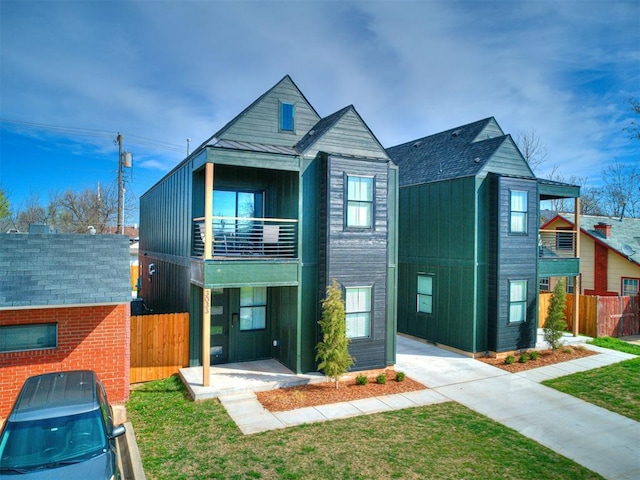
(546, 357)
(324, 393)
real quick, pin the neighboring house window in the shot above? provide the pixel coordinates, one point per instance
(287, 112)
(253, 308)
(570, 285)
(359, 201)
(358, 310)
(517, 301)
(544, 284)
(425, 293)
(18, 338)
(564, 241)
(630, 286)
(519, 212)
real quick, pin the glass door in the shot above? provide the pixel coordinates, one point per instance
(219, 326)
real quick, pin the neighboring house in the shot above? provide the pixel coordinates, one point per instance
(609, 252)
(64, 305)
(469, 260)
(246, 233)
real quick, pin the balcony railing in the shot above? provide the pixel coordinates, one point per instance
(246, 238)
(557, 244)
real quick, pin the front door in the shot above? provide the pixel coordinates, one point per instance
(250, 330)
(219, 326)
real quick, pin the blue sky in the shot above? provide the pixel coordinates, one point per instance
(160, 72)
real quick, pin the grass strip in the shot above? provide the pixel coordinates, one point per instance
(181, 439)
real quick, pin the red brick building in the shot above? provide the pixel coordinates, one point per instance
(64, 305)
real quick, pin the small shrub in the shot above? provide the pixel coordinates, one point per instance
(567, 350)
(524, 358)
(381, 379)
(362, 380)
(509, 359)
(400, 376)
(534, 355)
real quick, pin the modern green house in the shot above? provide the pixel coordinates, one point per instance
(248, 230)
(470, 252)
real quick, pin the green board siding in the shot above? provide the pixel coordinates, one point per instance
(221, 273)
(507, 161)
(283, 313)
(559, 267)
(261, 122)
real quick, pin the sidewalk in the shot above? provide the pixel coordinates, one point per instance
(602, 441)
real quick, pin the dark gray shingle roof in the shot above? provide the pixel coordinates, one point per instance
(39, 270)
(445, 155)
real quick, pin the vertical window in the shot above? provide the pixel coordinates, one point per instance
(544, 284)
(630, 286)
(425, 293)
(18, 338)
(359, 201)
(518, 212)
(286, 116)
(564, 241)
(253, 308)
(518, 301)
(570, 285)
(358, 310)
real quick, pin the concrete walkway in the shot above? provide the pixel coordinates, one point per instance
(602, 441)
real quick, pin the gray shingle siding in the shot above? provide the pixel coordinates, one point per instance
(47, 270)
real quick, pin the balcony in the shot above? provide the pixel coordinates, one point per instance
(244, 238)
(557, 244)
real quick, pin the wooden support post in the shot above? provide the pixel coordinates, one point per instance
(206, 292)
(576, 280)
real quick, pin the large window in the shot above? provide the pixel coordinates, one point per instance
(358, 310)
(287, 112)
(17, 338)
(425, 293)
(518, 214)
(359, 201)
(253, 308)
(517, 301)
(233, 206)
(630, 286)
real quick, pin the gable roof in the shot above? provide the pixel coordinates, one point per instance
(49, 270)
(455, 153)
(353, 128)
(624, 238)
(232, 130)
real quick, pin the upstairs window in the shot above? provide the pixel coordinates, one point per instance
(518, 214)
(517, 301)
(359, 201)
(358, 310)
(287, 111)
(425, 293)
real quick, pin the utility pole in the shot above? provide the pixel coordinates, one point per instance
(120, 226)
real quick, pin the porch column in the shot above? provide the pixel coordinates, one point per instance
(576, 280)
(206, 292)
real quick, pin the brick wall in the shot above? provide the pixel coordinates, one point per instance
(94, 338)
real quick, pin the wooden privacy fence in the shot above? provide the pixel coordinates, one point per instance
(159, 345)
(598, 316)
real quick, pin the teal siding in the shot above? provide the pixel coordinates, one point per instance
(490, 130)
(507, 160)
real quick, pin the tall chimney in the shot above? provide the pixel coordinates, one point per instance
(604, 229)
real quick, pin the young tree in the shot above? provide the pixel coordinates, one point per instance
(5, 209)
(533, 150)
(555, 323)
(333, 350)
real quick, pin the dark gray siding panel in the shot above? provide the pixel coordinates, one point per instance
(359, 258)
(507, 160)
(514, 258)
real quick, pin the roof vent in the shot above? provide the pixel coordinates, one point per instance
(477, 159)
(417, 144)
(456, 133)
(312, 132)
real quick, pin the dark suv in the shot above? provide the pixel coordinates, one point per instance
(61, 426)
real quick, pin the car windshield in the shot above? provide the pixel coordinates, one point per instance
(52, 442)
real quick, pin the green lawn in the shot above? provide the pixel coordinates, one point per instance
(182, 439)
(614, 387)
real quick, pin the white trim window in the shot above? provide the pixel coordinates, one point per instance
(518, 211)
(425, 293)
(630, 286)
(358, 311)
(517, 301)
(360, 201)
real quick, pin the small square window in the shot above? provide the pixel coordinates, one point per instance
(359, 201)
(517, 301)
(358, 310)
(18, 338)
(425, 294)
(287, 112)
(630, 286)
(519, 215)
